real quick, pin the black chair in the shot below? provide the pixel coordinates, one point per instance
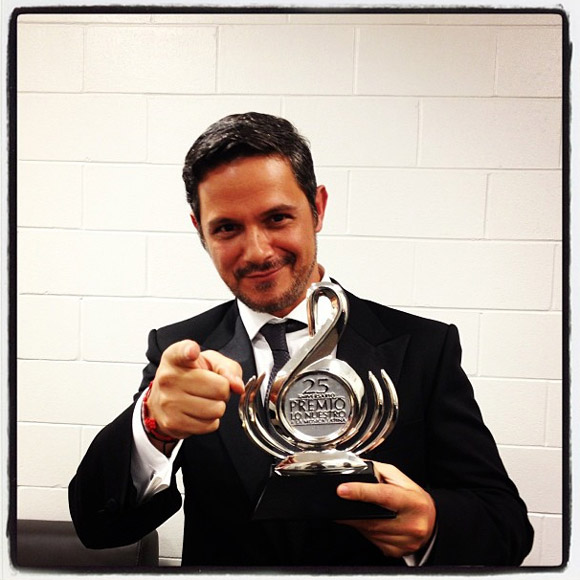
(51, 544)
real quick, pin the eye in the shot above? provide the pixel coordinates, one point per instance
(279, 218)
(225, 230)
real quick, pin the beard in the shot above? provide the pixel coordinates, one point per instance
(288, 298)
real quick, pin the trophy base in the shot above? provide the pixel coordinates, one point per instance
(312, 496)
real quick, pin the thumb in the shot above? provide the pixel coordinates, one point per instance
(378, 493)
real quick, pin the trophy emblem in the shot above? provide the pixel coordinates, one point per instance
(318, 419)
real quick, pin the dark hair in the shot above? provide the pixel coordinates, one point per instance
(248, 135)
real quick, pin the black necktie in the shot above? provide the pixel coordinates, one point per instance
(275, 335)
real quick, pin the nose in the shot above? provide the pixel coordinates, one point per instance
(257, 246)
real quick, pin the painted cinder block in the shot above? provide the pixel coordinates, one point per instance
(219, 18)
(537, 472)
(81, 262)
(89, 17)
(50, 58)
(524, 205)
(349, 260)
(171, 536)
(552, 541)
(363, 131)
(49, 195)
(337, 209)
(535, 555)
(561, 287)
(484, 275)
(521, 345)
(496, 133)
(43, 503)
(48, 327)
(131, 319)
(496, 19)
(529, 62)
(48, 454)
(115, 263)
(150, 59)
(452, 61)
(366, 17)
(179, 267)
(95, 392)
(417, 203)
(135, 198)
(81, 127)
(248, 65)
(555, 415)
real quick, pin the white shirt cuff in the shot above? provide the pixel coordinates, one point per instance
(151, 470)
(412, 560)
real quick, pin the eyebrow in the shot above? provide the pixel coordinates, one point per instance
(279, 208)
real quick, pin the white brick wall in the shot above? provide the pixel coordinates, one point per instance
(437, 135)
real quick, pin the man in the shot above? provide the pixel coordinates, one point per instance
(257, 208)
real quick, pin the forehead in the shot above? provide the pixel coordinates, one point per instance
(249, 183)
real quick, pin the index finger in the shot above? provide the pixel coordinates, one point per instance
(184, 354)
(224, 366)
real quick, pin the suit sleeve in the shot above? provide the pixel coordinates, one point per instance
(102, 497)
(480, 517)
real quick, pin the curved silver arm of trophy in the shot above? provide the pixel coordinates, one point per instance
(249, 402)
(377, 409)
(385, 422)
(318, 403)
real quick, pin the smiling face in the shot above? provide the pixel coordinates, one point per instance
(258, 229)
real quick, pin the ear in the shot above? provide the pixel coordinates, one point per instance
(197, 226)
(320, 202)
(194, 221)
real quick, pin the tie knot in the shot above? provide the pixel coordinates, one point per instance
(275, 333)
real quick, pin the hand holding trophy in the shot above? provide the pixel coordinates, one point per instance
(318, 418)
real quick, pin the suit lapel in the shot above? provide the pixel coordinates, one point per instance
(364, 356)
(368, 345)
(251, 463)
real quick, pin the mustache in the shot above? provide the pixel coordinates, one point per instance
(264, 267)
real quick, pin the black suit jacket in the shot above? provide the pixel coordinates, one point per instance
(439, 441)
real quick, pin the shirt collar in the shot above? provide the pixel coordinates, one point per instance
(253, 320)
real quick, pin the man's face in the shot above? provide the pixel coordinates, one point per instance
(259, 230)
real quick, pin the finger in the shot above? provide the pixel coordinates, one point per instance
(205, 384)
(189, 414)
(184, 354)
(226, 367)
(204, 409)
(387, 531)
(382, 494)
(387, 473)
(197, 425)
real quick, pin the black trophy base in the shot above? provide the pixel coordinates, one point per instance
(313, 497)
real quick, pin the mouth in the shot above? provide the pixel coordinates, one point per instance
(263, 272)
(265, 275)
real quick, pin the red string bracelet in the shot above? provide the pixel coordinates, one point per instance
(150, 424)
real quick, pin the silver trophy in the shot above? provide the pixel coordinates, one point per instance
(319, 417)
